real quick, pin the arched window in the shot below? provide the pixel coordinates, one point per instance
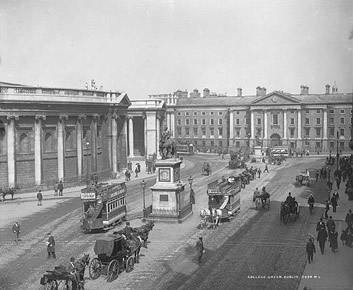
(48, 142)
(24, 143)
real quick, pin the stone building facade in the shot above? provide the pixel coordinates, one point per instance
(52, 134)
(301, 121)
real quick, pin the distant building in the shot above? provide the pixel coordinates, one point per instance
(301, 121)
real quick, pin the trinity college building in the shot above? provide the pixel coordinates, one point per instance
(52, 134)
(302, 121)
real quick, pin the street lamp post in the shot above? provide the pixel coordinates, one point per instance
(192, 197)
(87, 169)
(338, 155)
(179, 188)
(143, 186)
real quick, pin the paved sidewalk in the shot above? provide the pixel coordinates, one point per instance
(333, 271)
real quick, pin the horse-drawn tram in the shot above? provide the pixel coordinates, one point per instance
(103, 206)
(224, 196)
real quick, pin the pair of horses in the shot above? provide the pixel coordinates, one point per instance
(9, 191)
(287, 210)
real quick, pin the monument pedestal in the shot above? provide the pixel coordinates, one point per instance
(170, 201)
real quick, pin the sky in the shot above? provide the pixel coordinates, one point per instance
(146, 47)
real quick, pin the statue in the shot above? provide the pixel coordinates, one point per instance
(166, 144)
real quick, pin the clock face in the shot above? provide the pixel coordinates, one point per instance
(164, 174)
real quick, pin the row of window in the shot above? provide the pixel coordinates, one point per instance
(220, 113)
(203, 122)
(115, 203)
(203, 131)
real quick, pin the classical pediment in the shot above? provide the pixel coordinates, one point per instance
(276, 98)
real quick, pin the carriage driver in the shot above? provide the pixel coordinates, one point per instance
(289, 198)
(74, 270)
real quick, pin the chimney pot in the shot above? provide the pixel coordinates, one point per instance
(327, 89)
(239, 90)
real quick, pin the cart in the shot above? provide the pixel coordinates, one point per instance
(114, 254)
(302, 179)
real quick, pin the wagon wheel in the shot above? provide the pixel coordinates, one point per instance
(51, 285)
(113, 270)
(130, 264)
(95, 268)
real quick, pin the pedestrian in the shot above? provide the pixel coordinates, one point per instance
(334, 202)
(51, 246)
(200, 249)
(331, 226)
(343, 236)
(333, 241)
(321, 238)
(329, 185)
(192, 196)
(61, 188)
(136, 171)
(16, 229)
(338, 182)
(349, 219)
(126, 175)
(138, 167)
(266, 168)
(56, 189)
(310, 250)
(317, 175)
(320, 225)
(259, 172)
(327, 208)
(39, 197)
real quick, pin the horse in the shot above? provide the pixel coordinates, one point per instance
(9, 190)
(133, 244)
(144, 231)
(285, 212)
(81, 267)
(167, 148)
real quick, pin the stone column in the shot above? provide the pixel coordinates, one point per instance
(231, 128)
(145, 133)
(94, 142)
(79, 148)
(265, 124)
(131, 136)
(252, 124)
(11, 155)
(284, 123)
(299, 124)
(38, 149)
(151, 132)
(172, 121)
(114, 143)
(158, 129)
(61, 152)
(324, 132)
(109, 139)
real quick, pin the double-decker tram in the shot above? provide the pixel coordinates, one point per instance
(103, 206)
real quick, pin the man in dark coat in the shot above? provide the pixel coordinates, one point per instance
(200, 249)
(61, 188)
(321, 238)
(320, 225)
(266, 168)
(334, 202)
(349, 218)
(16, 230)
(39, 197)
(333, 236)
(331, 226)
(310, 250)
(51, 246)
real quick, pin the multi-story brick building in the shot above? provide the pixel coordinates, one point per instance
(299, 121)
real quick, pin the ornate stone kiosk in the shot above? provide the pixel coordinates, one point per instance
(170, 201)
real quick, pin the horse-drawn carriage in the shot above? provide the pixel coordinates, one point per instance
(262, 199)
(114, 254)
(206, 169)
(303, 179)
(52, 279)
(288, 210)
(8, 191)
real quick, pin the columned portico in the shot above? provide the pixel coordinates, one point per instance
(114, 143)
(131, 137)
(11, 141)
(38, 148)
(61, 126)
(285, 125)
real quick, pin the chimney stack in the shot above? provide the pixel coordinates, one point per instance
(334, 88)
(260, 91)
(304, 90)
(206, 92)
(239, 90)
(264, 91)
(327, 89)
